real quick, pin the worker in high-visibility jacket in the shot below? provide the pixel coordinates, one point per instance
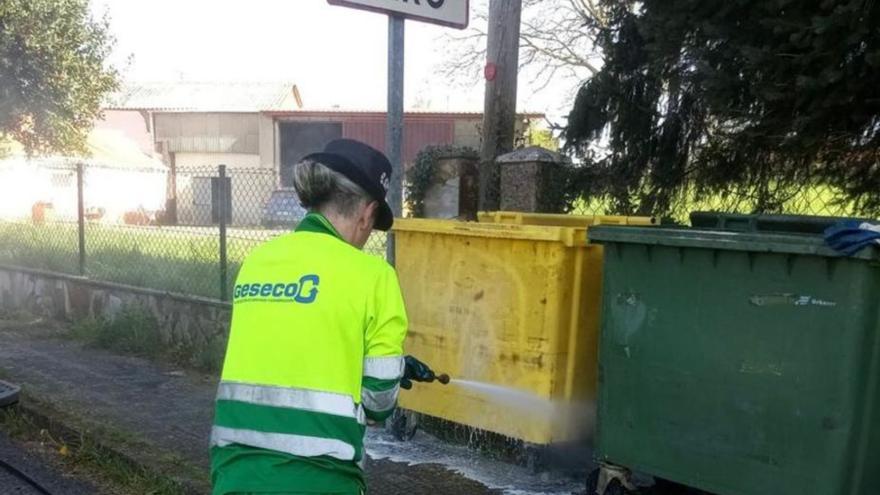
(315, 347)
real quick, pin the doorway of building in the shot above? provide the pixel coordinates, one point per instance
(298, 139)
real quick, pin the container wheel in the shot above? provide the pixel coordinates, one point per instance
(615, 487)
(403, 424)
(593, 482)
(534, 457)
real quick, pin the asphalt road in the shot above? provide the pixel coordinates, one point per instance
(162, 411)
(16, 462)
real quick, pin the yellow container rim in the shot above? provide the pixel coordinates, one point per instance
(570, 236)
(520, 217)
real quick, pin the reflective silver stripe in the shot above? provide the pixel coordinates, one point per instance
(384, 368)
(869, 226)
(283, 442)
(380, 401)
(362, 415)
(292, 398)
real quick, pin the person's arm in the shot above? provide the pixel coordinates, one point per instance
(383, 357)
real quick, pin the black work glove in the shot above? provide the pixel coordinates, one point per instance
(415, 370)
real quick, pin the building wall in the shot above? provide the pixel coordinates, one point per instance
(183, 321)
(251, 184)
(467, 132)
(209, 132)
(133, 123)
(119, 191)
(268, 159)
(115, 190)
(248, 143)
(418, 132)
(189, 160)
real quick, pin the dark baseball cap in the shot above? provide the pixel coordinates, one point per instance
(364, 165)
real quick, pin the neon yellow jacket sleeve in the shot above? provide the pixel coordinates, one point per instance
(383, 341)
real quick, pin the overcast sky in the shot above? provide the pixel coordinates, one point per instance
(337, 56)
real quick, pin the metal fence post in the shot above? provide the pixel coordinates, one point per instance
(222, 208)
(81, 218)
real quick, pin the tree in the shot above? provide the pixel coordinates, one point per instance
(53, 73)
(553, 42)
(711, 97)
(536, 135)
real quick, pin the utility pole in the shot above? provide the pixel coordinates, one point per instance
(499, 109)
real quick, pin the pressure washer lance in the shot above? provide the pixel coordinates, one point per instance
(443, 378)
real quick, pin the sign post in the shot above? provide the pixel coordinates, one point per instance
(452, 13)
(394, 131)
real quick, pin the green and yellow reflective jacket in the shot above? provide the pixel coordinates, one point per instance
(315, 349)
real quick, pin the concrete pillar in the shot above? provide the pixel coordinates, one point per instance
(456, 189)
(532, 180)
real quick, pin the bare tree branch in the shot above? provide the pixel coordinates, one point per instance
(556, 40)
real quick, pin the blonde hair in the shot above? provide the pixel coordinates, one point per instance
(322, 189)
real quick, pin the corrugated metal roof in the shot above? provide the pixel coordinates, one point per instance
(206, 97)
(416, 112)
(420, 111)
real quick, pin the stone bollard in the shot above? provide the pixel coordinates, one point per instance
(532, 180)
(455, 190)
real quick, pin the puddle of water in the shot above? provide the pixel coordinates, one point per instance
(510, 479)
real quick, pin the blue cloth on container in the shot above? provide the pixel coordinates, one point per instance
(851, 236)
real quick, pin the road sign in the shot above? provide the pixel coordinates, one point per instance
(452, 13)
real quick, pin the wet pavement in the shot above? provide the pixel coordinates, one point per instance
(161, 417)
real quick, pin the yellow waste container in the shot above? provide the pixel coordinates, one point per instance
(511, 313)
(561, 220)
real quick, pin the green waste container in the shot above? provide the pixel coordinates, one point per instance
(740, 362)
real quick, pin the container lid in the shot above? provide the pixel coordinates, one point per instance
(561, 220)
(735, 222)
(754, 241)
(570, 236)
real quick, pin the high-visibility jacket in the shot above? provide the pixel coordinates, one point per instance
(315, 349)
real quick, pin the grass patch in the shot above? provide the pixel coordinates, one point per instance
(83, 457)
(136, 332)
(813, 200)
(133, 331)
(175, 259)
(15, 314)
(210, 358)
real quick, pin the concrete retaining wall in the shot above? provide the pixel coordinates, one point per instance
(182, 319)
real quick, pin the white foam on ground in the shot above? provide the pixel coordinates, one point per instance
(510, 479)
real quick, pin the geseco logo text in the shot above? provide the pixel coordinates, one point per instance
(305, 291)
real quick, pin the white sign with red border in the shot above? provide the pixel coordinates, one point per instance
(452, 13)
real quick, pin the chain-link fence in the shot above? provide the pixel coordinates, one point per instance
(184, 231)
(188, 230)
(559, 193)
(806, 200)
(39, 212)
